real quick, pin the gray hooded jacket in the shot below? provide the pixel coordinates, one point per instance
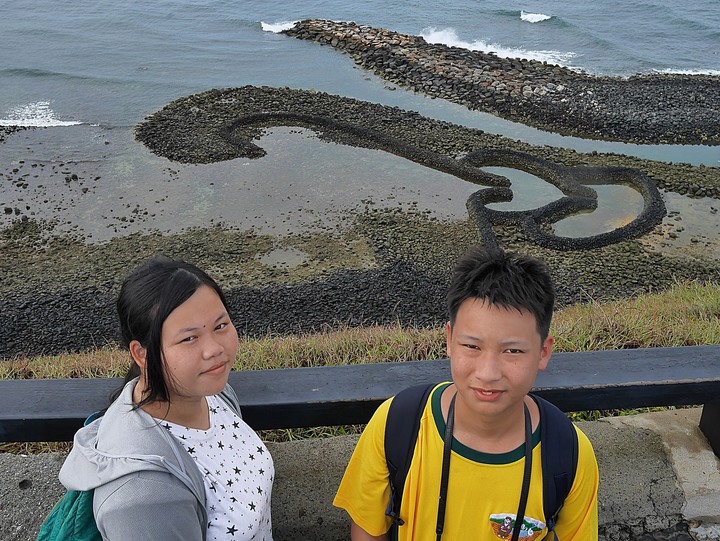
(147, 487)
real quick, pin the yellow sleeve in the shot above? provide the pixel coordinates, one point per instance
(364, 491)
(578, 518)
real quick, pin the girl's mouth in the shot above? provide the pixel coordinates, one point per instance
(217, 369)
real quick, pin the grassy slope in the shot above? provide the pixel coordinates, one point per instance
(687, 314)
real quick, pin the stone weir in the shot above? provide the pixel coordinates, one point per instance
(235, 136)
(652, 109)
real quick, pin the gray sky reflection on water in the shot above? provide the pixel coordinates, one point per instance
(448, 111)
(303, 183)
(617, 204)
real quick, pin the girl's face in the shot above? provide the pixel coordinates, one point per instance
(199, 344)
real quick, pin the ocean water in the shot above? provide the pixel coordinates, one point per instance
(89, 71)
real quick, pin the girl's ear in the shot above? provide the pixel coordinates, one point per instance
(448, 329)
(139, 354)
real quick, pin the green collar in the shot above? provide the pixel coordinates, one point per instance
(471, 454)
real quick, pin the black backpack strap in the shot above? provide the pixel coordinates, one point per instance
(559, 458)
(401, 430)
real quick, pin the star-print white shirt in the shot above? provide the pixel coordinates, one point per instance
(238, 473)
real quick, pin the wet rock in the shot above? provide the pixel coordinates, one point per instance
(642, 109)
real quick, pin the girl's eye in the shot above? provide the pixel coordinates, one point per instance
(221, 326)
(187, 339)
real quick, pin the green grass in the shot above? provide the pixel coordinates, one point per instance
(687, 314)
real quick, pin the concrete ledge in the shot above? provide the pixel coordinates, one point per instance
(659, 481)
(687, 455)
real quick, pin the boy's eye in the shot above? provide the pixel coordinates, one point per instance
(471, 346)
(513, 350)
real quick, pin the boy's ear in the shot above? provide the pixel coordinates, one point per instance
(139, 354)
(546, 352)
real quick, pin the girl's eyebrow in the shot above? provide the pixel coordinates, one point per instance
(190, 329)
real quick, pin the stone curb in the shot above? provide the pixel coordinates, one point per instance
(659, 481)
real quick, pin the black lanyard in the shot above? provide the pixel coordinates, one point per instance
(449, 426)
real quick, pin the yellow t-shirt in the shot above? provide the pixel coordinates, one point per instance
(483, 489)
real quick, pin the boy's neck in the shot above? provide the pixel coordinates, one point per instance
(489, 434)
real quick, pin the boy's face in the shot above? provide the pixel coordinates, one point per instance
(495, 354)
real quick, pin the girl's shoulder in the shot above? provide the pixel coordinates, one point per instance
(229, 396)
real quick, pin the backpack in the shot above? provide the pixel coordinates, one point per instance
(72, 518)
(559, 450)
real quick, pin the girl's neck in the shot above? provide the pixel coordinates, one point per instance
(189, 412)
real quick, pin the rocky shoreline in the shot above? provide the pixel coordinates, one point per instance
(378, 265)
(385, 267)
(650, 109)
(8, 130)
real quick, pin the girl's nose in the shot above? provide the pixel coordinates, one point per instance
(212, 348)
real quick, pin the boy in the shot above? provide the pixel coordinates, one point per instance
(497, 339)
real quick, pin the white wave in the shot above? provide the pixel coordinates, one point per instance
(534, 17)
(670, 71)
(38, 114)
(276, 28)
(448, 36)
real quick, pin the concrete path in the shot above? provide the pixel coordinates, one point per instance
(659, 481)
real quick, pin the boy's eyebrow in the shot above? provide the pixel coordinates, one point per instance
(515, 343)
(470, 337)
(510, 342)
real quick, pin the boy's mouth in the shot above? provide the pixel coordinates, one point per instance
(487, 394)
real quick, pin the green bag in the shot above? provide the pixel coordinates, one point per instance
(72, 518)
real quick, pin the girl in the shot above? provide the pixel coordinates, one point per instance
(171, 459)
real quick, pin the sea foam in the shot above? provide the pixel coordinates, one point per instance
(276, 28)
(37, 114)
(534, 17)
(669, 71)
(448, 36)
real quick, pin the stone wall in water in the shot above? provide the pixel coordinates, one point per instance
(651, 109)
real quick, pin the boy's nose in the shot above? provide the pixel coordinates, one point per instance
(487, 368)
